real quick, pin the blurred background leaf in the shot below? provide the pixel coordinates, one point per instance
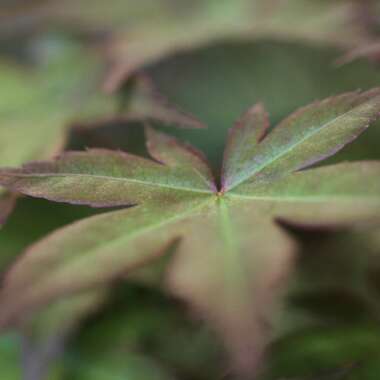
(35, 218)
(141, 32)
(141, 322)
(38, 103)
(314, 353)
(335, 289)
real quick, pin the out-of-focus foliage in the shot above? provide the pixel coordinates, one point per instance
(336, 290)
(37, 105)
(143, 327)
(10, 357)
(40, 101)
(348, 288)
(141, 32)
(46, 217)
(343, 352)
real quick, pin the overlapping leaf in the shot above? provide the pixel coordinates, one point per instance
(232, 259)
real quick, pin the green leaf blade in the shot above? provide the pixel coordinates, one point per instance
(92, 252)
(350, 181)
(242, 142)
(236, 286)
(340, 194)
(102, 178)
(310, 135)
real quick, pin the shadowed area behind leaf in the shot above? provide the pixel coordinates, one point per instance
(35, 218)
(219, 82)
(333, 285)
(142, 322)
(314, 352)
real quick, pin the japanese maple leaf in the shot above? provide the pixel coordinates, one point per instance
(232, 257)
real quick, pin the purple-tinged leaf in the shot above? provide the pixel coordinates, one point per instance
(233, 260)
(103, 178)
(232, 267)
(243, 140)
(344, 182)
(338, 195)
(92, 252)
(309, 135)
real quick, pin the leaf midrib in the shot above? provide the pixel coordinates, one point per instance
(97, 176)
(305, 199)
(231, 244)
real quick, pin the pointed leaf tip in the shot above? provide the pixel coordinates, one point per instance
(147, 103)
(242, 141)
